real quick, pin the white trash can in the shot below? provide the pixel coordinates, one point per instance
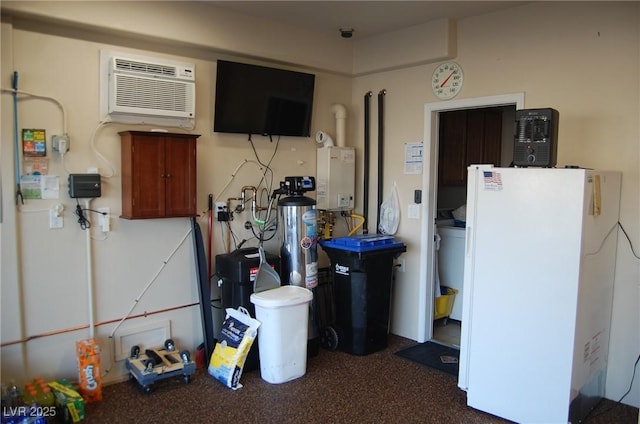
(283, 313)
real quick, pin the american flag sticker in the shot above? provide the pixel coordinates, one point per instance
(492, 180)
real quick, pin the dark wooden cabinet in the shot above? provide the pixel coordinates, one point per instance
(158, 175)
(468, 137)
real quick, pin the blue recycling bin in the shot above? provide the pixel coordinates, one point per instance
(362, 276)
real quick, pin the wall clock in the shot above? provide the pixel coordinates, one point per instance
(447, 80)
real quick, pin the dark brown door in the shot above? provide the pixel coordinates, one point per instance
(468, 137)
(180, 176)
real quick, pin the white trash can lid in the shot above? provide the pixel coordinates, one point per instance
(282, 296)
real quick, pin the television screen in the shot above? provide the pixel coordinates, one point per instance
(253, 99)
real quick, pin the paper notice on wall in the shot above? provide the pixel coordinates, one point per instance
(50, 186)
(35, 166)
(34, 142)
(40, 186)
(413, 158)
(30, 186)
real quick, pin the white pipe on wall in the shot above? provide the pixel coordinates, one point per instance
(89, 276)
(340, 112)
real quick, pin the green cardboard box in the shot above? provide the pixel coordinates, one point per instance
(68, 401)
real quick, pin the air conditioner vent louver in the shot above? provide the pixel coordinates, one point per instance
(151, 94)
(150, 89)
(147, 68)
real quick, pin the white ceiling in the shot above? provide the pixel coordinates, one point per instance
(365, 17)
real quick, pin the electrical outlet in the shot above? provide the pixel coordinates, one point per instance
(55, 216)
(400, 265)
(222, 213)
(60, 143)
(104, 220)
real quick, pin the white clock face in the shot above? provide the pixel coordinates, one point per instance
(447, 80)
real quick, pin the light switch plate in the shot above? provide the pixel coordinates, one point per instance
(413, 211)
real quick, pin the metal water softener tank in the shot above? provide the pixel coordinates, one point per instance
(299, 252)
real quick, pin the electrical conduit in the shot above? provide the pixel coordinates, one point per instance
(89, 276)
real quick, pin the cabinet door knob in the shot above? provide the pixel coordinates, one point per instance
(168, 175)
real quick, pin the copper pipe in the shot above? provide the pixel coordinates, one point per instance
(85, 326)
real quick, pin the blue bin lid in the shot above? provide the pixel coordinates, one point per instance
(363, 243)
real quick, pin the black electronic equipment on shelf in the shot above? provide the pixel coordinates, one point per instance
(536, 138)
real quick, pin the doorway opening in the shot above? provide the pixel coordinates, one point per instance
(444, 180)
(465, 136)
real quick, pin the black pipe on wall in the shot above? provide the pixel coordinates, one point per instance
(365, 194)
(381, 95)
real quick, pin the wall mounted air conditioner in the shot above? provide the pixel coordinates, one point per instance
(139, 89)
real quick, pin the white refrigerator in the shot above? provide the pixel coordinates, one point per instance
(539, 263)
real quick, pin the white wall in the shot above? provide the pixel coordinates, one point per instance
(44, 277)
(562, 56)
(572, 51)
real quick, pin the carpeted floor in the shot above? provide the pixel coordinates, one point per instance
(337, 388)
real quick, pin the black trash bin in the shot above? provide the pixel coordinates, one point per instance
(362, 273)
(238, 270)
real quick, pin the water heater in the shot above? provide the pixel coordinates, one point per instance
(335, 181)
(536, 138)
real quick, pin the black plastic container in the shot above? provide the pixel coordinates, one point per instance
(362, 274)
(237, 270)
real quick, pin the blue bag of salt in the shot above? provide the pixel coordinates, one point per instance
(238, 332)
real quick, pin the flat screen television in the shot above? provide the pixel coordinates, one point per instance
(253, 99)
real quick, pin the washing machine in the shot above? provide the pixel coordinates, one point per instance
(451, 262)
